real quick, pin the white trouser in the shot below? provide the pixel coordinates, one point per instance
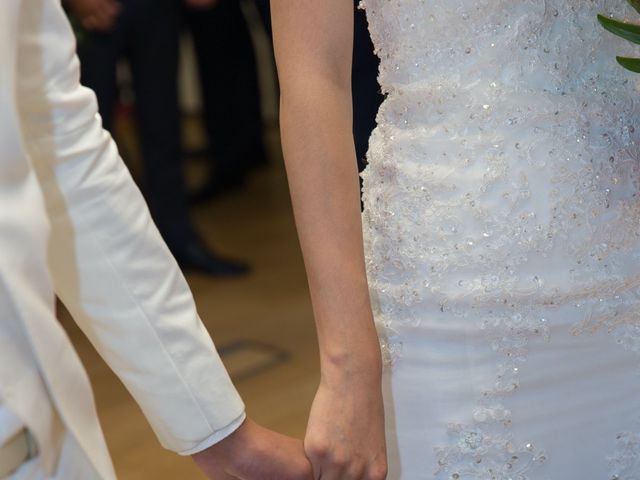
(72, 465)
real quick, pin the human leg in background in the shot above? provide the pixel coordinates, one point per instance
(147, 34)
(230, 92)
(153, 56)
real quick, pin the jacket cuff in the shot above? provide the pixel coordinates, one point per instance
(216, 437)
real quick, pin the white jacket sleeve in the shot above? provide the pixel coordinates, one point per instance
(109, 264)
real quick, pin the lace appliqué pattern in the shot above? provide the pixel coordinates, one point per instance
(498, 155)
(619, 316)
(487, 449)
(625, 463)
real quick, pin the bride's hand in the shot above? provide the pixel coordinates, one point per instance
(345, 435)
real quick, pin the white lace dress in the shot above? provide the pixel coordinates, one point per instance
(502, 229)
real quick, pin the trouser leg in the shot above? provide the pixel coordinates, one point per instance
(154, 64)
(230, 91)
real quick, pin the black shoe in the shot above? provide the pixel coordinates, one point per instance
(194, 256)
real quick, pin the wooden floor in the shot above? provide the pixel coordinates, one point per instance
(277, 375)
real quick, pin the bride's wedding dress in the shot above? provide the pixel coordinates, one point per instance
(502, 228)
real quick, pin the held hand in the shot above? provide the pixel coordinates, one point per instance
(96, 15)
(345, 436)
(255, 453)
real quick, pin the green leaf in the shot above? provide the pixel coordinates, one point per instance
(635, 4)
(632, 64)
(628, 31)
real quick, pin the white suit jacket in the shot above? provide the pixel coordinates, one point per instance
(73, 222)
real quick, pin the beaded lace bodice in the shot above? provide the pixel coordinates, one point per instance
(503, 184)
(509, 129)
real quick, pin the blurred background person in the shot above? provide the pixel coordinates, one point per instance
(146, 34)
(230, 93)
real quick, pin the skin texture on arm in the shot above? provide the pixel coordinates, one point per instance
(313, 43)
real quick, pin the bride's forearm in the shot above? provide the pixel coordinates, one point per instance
(321, 166)
(313, 45)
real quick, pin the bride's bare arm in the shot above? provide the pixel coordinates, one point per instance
(313, 42)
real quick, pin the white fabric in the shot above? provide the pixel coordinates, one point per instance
(14, 453)
(502, 228)
(25, 400)
(73, 221)
(72, 464)
(10, 425)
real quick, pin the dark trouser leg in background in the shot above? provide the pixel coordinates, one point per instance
(230, 91)
(147, 33)
(153, 55)
(154, 63)
(99, 54)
